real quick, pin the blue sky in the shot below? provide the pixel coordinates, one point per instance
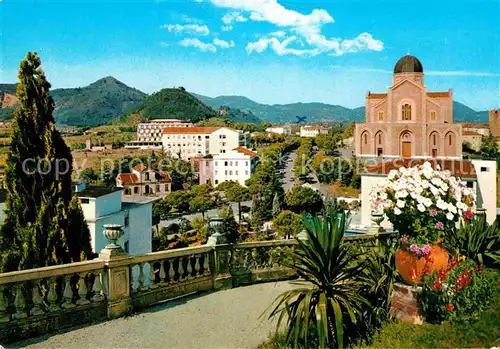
(272, 51)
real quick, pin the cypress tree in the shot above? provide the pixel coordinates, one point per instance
(38, 230)
(276, 205)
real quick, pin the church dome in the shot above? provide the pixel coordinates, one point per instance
(408, 64)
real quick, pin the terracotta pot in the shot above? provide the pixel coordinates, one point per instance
(408, 264)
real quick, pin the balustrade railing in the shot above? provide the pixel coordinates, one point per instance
(40, 291)
(115, 284)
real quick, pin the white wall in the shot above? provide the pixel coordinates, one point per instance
(239, 167)
(486, 171)
(220, 145)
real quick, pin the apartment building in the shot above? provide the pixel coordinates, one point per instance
(191, 142)
(235, 165)
(144, 181)
(149, 133)
(313, 130)
(103, 205)
(280, 129)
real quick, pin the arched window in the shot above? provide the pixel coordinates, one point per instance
(380, 116)
(406, 112)
(379, 138)
(366, 138)
(449, 140)
(434, 139)
(433, 115)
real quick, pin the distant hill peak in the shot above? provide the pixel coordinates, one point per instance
(108, 80)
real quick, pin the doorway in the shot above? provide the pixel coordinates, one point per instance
(406, 149)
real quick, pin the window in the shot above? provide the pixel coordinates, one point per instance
(147, 176)
(366, 138)
(215, 163)
(230, 173)
(157, 188)
(380, 115)
(449, 140)
(246, 164)
(406, 112)
(470, 184)
(236, 172)
(236, 163)
(379, 138)
(84, 201)
(225, 163)
(434, 139)
(225, 172)
(230, 163)
(485, 169)
(216, 181)
(433, 115)
(165, 187)
(216, 172)
(136, 190)
(246, 172)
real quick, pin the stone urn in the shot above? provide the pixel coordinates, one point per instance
(377, 219)
(113, 232)
(411, 268)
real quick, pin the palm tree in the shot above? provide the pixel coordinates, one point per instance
(330, 299)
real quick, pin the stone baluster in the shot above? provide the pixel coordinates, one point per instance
(19, 302)
(152, 275)
(206, 264)
(162, 272)
(97, 288)
(189, 267)
(141, 286)
(37, 300)
(68, 293)
(197, 265)
(82, 290)
(52, 295)
(4, 315)
(181, 268)
(171, 271)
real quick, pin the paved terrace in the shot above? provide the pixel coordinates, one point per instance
(223, 319)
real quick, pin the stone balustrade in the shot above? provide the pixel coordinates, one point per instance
(42, 300)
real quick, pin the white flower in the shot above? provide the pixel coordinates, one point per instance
(400, 204)
(425, 184)
(397, 211)
(383, 196)
(433, 190)
(427, 202)
(402, 194)
(441, 204)
(450, 216)
(421, 207)
(392, 174)
(452, 208)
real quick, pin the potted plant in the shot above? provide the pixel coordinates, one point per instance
(422, 204)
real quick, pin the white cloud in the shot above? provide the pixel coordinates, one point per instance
(188, 19)
(223, 43)
(195, 29)
(231, 17)
(307, 27)
(204, 47)
(280, 47)
(278, 34)
(226, 28)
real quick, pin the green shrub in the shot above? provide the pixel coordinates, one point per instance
(459, 293)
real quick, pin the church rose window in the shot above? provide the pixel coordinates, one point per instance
(406, 112)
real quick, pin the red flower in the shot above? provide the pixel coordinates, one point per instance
(481, 267)
(450, 307)
(468, 215)
(436, 286)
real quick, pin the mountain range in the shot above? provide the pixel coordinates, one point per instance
(109, 99)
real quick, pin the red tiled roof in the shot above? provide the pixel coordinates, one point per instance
(128, 178)
(164, 177)
(438, 94)
(458, 168)
(377, 95)
(182, 130)
(470, 133)
(245, 151)
(139, 167)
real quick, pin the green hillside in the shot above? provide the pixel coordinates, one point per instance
(96, 104)
(175, 103)
(8, 88)
(318, 112)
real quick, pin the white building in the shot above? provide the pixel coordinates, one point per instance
(144, 181)
(149, 133)
(479, 175)
(280, 129)
(103, 205)
(235, 165)
(313, 130)
(192, 142)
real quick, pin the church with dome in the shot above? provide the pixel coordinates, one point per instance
(408, 121)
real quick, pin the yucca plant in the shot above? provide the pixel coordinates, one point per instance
(476, 240)
(331, 294)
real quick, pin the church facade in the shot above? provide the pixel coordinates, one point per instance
(408, 121)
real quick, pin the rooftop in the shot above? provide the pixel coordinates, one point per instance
(470, 133)
(96, 191)
(245, 151)
(183, 130)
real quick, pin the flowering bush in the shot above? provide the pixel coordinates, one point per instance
(459, 293)
(422, 203)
